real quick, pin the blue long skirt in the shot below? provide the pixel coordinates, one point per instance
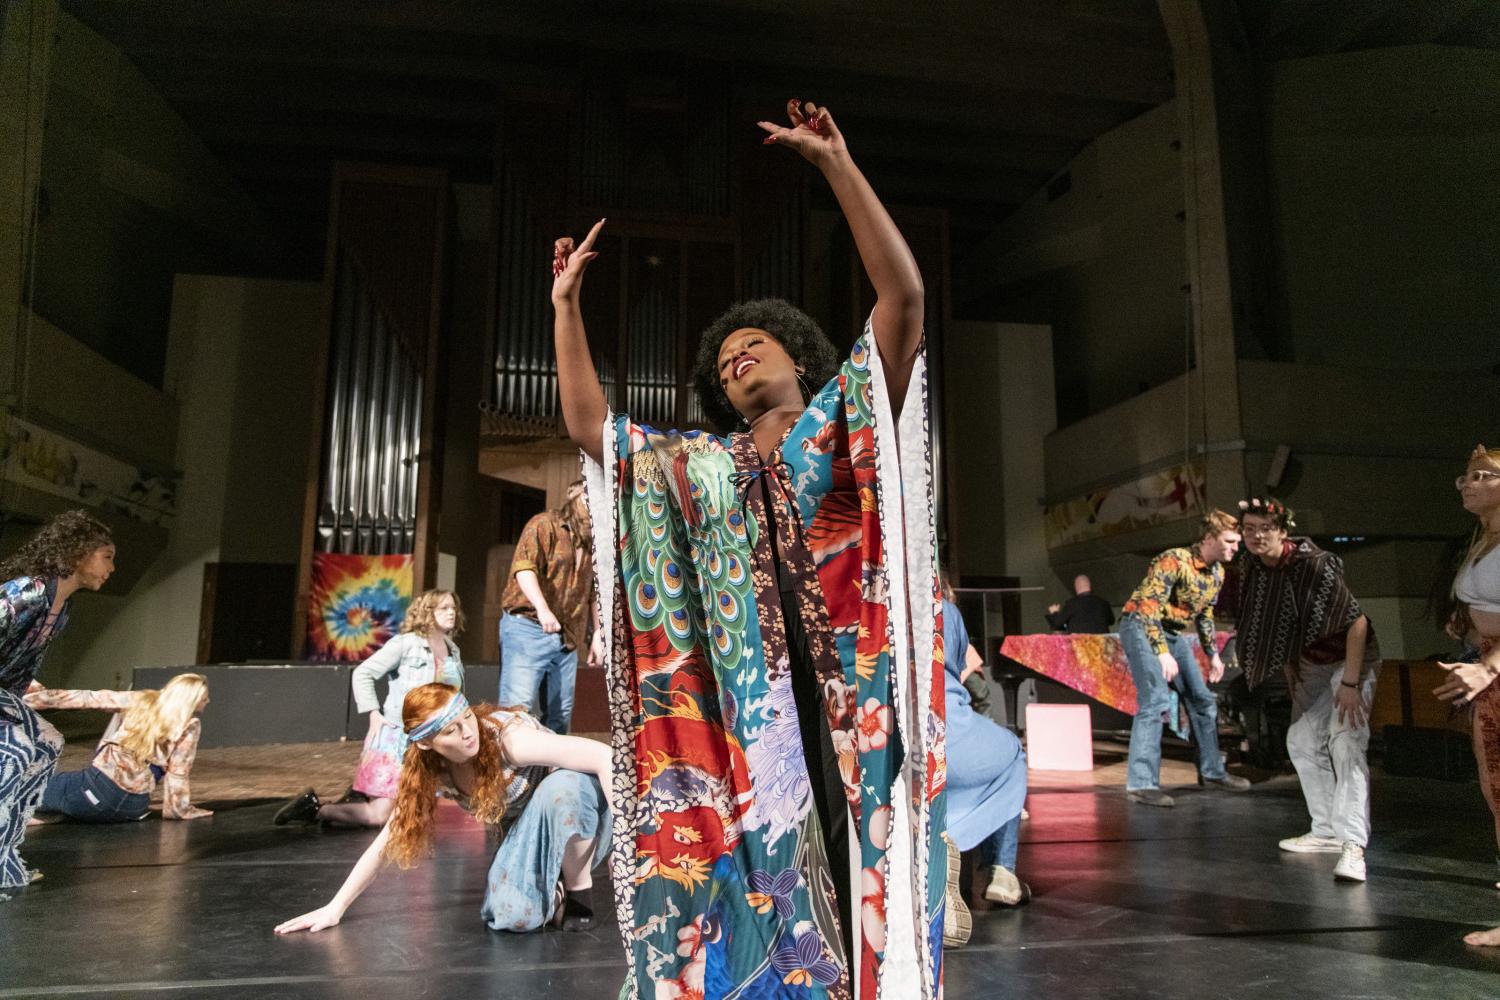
(986, 776)
(519, 895)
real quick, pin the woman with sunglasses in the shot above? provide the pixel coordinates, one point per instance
(1477, 593)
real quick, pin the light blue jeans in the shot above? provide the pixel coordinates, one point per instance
(527, 654)
(1154, 699)
(1000, 848)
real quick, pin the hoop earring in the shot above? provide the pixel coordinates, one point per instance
(806, 392)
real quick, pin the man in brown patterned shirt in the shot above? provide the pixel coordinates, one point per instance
(549, 609)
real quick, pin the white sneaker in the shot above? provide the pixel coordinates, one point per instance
(1005, 888)
(958, 924)
(1351, 866)
(1310, 843)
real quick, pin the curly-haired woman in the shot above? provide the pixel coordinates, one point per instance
(1477, 590)
(421, 653)
(775, 668)
(546, 793)
(72, 552)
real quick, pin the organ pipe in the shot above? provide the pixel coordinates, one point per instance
(368, 494)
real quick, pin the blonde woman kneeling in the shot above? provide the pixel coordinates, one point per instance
(154, 738)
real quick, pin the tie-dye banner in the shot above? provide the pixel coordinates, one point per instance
(1094, 665)
(356, 604)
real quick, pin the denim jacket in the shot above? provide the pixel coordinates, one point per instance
(407, 662)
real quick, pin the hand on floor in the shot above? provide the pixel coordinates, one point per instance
(319, 919)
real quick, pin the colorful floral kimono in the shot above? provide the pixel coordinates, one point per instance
(722, 885)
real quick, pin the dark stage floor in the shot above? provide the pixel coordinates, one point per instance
(1190, 903)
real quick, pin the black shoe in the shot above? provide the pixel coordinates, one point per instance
(578, 910)
(1151, 797)
(1228, 783)
(302, 809)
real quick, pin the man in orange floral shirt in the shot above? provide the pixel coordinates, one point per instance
(1179, 591)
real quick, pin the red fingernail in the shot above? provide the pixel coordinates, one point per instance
(768, 140)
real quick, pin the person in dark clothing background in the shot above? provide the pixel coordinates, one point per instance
(1085, 613)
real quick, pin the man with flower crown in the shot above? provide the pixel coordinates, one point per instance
(1297, 616)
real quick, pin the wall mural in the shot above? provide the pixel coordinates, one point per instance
(1168, 495)
(43, 460)
(355, 605)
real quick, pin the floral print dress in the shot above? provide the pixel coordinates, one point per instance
(723, 885)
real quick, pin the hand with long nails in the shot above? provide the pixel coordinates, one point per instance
(812, 132)
(569, 262)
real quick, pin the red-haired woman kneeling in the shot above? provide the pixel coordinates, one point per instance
(546, 792)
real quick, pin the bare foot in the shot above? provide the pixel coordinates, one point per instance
(1484, 939)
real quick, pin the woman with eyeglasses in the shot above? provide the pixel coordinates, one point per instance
(1477, 593)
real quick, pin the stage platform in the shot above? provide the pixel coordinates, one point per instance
(259, 703)
(1182, 904)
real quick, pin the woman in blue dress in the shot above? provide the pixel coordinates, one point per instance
(986, 780)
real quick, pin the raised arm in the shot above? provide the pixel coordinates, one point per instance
(363, 873)
(887, 259)
(583, 403)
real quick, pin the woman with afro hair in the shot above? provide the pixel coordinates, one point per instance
(775, 665)
(72, 552)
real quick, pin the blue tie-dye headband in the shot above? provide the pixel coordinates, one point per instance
(438, 721)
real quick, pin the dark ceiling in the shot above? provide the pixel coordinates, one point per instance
(1292, 29)
(966, 105)
(971, 105)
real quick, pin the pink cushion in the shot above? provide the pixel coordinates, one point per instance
(1059, 738)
